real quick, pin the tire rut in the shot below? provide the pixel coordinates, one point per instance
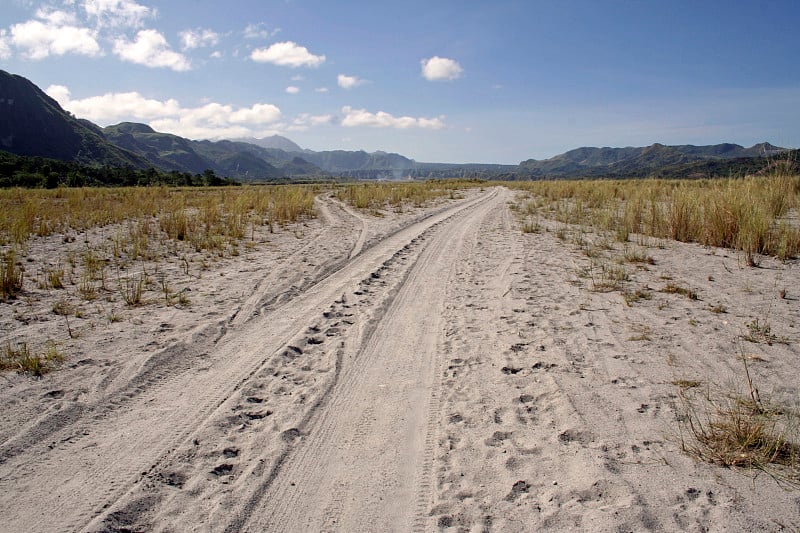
(176, 403)
(352, 428)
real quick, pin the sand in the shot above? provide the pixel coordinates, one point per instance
(435, 369)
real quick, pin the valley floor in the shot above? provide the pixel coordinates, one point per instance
(435, 369)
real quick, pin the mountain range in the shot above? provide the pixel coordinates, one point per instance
(34, 124)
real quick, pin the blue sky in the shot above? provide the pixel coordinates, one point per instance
(439, 81)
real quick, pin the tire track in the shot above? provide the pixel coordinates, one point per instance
(388, 472)
(112, 450)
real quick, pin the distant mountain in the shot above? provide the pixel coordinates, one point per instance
(274, 141)
(162, 150)
(654, 160)
(238, 160)
(338, 161)
(33, 124)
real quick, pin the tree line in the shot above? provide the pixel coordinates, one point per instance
(41, 172)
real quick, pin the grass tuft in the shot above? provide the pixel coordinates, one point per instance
(23, 360)
(671, 288)
(741, 431)
(11, 275)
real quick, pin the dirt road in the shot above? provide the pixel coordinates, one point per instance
(331, 395)
(448, 373)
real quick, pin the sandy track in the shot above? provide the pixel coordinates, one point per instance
(447, 374)
(96, 468)
(366, 462)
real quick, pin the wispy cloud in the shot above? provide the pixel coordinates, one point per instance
(348, 82)
(198, 38)
(441, 69)
(5, 44)
(361, 117)
(287, 54)
(304, 121)
(117, 13)
(259, 31)
(209, 121)
(291, 89)
(151, 49)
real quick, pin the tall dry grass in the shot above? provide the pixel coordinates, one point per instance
(755, 215)
(376, 197)
(184, 214)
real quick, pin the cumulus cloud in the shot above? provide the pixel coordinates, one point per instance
(441, 69)
(361, 117)
(198, 38)
(114, 107)
(151, 49)
(53, 33)
(287, 54)
(292, 89)
(210, 121)
(348, 82)
(117, 13)
(304, 121)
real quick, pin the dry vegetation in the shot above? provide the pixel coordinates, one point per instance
(755, 216)
(112, 249)
(742, 430)
(375, 197)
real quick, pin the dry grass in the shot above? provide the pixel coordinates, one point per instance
(113, 238)
(132, 247)
(22, 359)
(671, 288)
(11, 275)
(755, 215)
(183, 214)
(741, 431)
(376, 197)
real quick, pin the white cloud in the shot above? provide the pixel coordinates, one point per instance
(117, 13)
(59, 93)
(259, 31)
(198, 38)
(209, 121)
(255, 115)
(321, 90)
(152, 50)
(56, 17)
(441, 68)
(348, 82)
(5, 44)
(292, 89)
(297, 77)
(56, 33)
(287, 54)
(362, 117)
(304, 121)
(114, 107)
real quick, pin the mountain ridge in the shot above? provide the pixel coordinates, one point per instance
(34, 124)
